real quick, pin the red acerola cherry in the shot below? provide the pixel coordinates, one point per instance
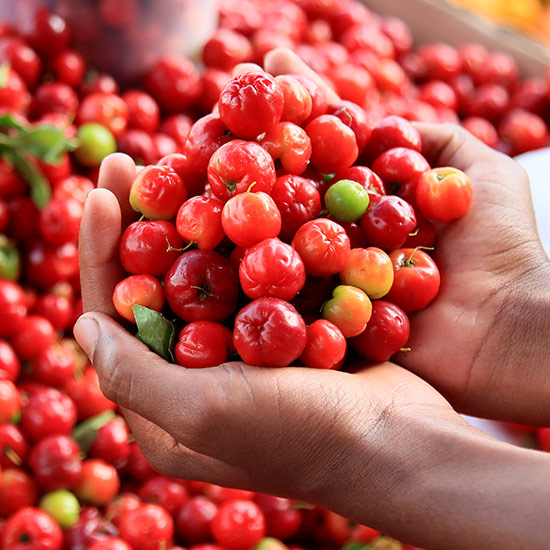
(169, 493)
(272, 268)
(237, 165)
(386, 333)
(325, 346)
(147, 527)
(238, 524)
(251, 104)
(157, 192)
(55, 462)
(248, 218)
(269, 332)
(323, 245)
(48, 412)
(35, 334)
(203, 344)
(9, 362)
(333, 144)
(194, 519)
(18, 489)
(199, 220)
(31, 528)
(98, 483)
(143, 290)
(202, 286)
(149, 247)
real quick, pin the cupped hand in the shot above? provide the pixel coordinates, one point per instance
(319, 436)
(484, 341)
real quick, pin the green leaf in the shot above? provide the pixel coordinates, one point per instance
(85, 433)
(7, 121)
(155, 331)
(45, 142)
(40, 188)
(354, 545)
(4, 75)
(10, 260)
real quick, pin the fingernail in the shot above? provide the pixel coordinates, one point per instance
(86, 332)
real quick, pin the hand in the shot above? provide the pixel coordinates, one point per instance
(298, 432)
(484, 341)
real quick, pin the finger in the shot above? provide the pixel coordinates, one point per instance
(100, 268)
(285, 61)
(169, 457)
(117, 173)
(452, 145)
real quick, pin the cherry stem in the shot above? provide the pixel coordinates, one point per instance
(202, 292)
(230, 184)
(251, 186)
(142, 217)
(345, 111)
(414, 233)
(405, 349)
(171, 248)
(410, 262)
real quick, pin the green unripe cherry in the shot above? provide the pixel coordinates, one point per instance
(95, 143)
(347, 200)
(63, 506)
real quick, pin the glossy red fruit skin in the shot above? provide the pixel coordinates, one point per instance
(388, 222)
(225, 48)
(194, 518)
(31, 525)
(174, 82)
(48, 412)
(325, 347)
(10, 365)
(416, 279)
(22, 59)
(47, 265)
(482, 129)
(235, 166)
(390, 132)
(110, 543)
(111, 443)
(69, 67)
(386, 333)
(523, 131)
(18, 489)
(54, 365)
(333, 144)
(169, 493)
(289, 145)
(13, 306)
(201, 285)
(157, 192)
(87, 395)
(143, 111)
(238, 524)
(269, 332)
(13, 445)
(35, 333)
(248, 218)
(55, 462)
(250, 104)
(297, 200)
(14, 96)
(199, 220)
(109, 110)
(400, 168)
(98, 483)
(146, 527)
(282, 519)
(143, 290)
(272, 268)
(203, 344)
(355, 117)
(54, 97)
(323, 246)
(124, 502)
(149, 247)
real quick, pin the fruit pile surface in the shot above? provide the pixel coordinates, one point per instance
(310, 219)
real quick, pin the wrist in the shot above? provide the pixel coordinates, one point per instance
(519, 354)
(436, 482)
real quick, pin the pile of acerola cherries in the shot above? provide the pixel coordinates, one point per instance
(317, 218)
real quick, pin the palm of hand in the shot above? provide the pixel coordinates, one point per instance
(480, 256)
